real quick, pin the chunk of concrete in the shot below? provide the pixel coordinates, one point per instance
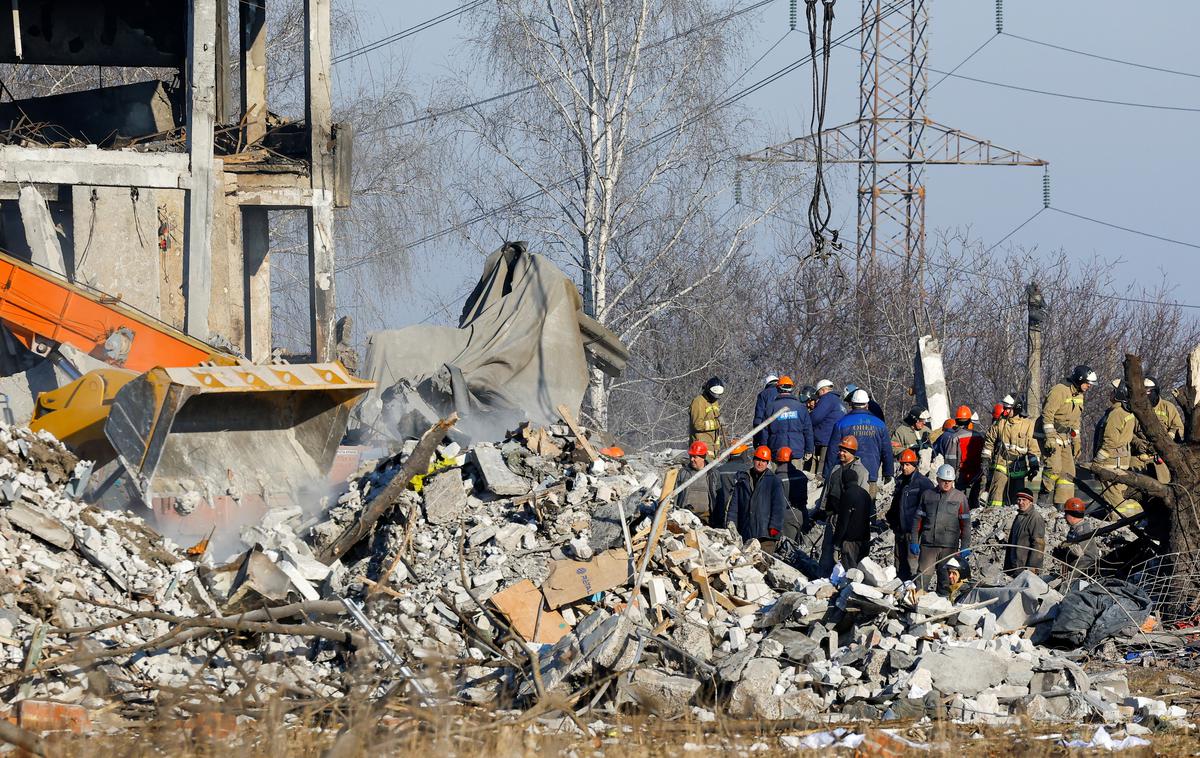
(445, 498)
(964, 671)
(663, 694)
(497, 477)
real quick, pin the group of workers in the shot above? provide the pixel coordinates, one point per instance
(841, 442)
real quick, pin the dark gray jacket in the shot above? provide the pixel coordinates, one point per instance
(1026, 542)
(943, 520)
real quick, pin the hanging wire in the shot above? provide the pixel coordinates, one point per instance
(820, 208)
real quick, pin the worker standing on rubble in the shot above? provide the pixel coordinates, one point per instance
(698, 497)
(1006, 448)
(913, 433)
(1026, 537)
(723, 476)
(874, 442)
(825, 415)
(852, 520)
(941, 530)
(705, 416)
(795, 492)
(910, 485)
(757, 507)
(1081, 552)
(1113, 444)
(1062, 414)
(1171, 419)
(875, 408)
(793, 427)
(762, 405)
(836, 485)
(962, 448)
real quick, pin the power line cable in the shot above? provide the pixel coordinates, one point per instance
(963, 62)
(405, 33)
(1102, 57)
(1018, 228)
(1126, 229)
(1068, 96)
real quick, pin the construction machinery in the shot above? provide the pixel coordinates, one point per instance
(190, 425)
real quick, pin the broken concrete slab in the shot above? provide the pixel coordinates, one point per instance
(38, 523)
(663, 694)
(497, 477)
(445, 498)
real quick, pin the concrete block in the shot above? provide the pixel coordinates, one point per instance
(497, 477)
(663, 694)
(445, 498)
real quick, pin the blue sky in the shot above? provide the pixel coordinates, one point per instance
(1125, 165)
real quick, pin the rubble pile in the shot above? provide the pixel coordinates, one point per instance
(502, 575)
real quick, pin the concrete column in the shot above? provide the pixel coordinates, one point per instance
(201, 104)
(252, 25)
(318, 112)
(43, 242)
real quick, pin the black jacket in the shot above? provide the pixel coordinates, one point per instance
(756, 507)
(855, 510)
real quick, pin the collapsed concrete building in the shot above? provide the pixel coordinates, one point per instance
(158, 192)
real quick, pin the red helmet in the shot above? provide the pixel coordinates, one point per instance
(783, 455)
(997, 411)
(698, 448)
(963, 413)
(908, 455)
(762, 453)
(849, 442)
(1075, 507)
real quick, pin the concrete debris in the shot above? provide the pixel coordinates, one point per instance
(511, 558)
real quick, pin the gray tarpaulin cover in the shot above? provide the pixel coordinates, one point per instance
(518, 352)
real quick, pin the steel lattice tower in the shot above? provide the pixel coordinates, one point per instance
(893, 139)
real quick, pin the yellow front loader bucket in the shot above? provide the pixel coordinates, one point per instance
(231, 431)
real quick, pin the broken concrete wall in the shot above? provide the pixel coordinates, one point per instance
(116, 243)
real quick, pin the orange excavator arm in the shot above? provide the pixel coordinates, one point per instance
(42, 310)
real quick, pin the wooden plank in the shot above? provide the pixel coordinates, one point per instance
(569, 419)
(700, 576)
(668, 487)
(198, 224)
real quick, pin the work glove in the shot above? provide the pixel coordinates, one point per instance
(914, 549)
(773, 532)
(964, 553)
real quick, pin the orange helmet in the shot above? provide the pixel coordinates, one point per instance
(948, 425)
(698, 448)
(612, 452)
(739, 449)
(849, 442)
(762, 453)
(786, 383)
(997, 411)
(783, 455)
(908, 455)
(963, 413)
(1075, 507)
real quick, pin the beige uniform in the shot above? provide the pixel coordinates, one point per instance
(1007, 440)
(1062, 414)
(705, 424)
(1115, 451)
(1172, 420)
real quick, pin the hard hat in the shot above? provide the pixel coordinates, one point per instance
(739, 449)
(1083, 374)
(807, 392)
(963, 413)
(1019, 406)
(859, 397)
(762, 453)
(849, 442)
(1008, 401)
(823, 384)
(974, 415)
(770, 378)
(785, 382)
(924, 415)
(953, 564)
(848, 390)
(997, 411)
(612, 452)
(783, 455)
(715, 386)
(1153, 390)
(908, 455)
(698, 448)
(1074, 507)
(1120, 392)
(948, 424)
(945, 473)
(1147, 382)
(1024, 492)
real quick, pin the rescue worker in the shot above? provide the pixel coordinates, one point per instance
(698, 497)
(723, 476)
(872, 406)
(913, 433)
(954, 579)
(795, 492)
(962, 448)
(910, 484)
(793, 427)
(1113, 445)
(1008, 442)
(936, 434)
(1081, 552)
(1062, 414)
(808, 395)
(762, 404)
(1171, 419)
(941, 529)
(706, 416)
(825, 415)
(1026, 537)
(836, 484)
(874, 442)
(757, 507)
(852, 519)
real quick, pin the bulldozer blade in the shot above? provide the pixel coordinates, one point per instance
(208, 433)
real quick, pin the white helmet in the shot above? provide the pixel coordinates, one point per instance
(975, 416)
(824, 384)
(860, 397)
(945, 473)
(1007, 401)
(717, 390)
(1148, 383)
(953, 564)
(770, 378)
(924, 416)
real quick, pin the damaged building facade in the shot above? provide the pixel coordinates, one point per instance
(157, 193)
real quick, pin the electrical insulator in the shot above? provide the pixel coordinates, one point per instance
(1046, 189)
(999, 16)
(737, 187)
(792, 14)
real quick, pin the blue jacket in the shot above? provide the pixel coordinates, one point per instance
(792, 429)
(762, 410)
(758, 506)
(825, 415)
(874, 442)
